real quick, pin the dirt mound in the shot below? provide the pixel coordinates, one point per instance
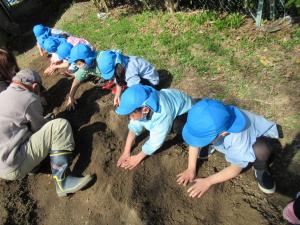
(147, 195)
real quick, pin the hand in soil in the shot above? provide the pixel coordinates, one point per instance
(71, 104)
(199, 188)
(131, 162)
(50, 70)
(122, 160)
(116, 101)
(185, 177)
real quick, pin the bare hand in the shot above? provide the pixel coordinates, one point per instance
(116, 101)
(71, 104)
(122, 159)
(199, 188)
(50, 70)
(132, 161)
(185, 177)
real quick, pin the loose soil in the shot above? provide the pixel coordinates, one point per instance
(147, 195)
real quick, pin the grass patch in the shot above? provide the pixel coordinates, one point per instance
(209, 43)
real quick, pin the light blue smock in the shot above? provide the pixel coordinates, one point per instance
(237, 147)
(137, 68)
(172, 104)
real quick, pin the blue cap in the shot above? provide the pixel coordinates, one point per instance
(137, 96)
(41, 39)
(107, 61)
(39, 29)
(208, 118)
(82, 52)
(64, 50)
(51, 44)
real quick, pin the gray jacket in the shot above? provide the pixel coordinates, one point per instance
(21, 114)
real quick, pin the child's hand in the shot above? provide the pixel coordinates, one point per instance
(116, 101)
(50, 70)
(199, 188)
(71, 104)
(131, 162)
(186, 176)
(122, 159)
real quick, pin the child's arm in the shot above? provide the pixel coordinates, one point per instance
(189, 174)
(117, 95)
(40, 49)
(71, 100)
(54, 66)
(126, 153)
(203, 184)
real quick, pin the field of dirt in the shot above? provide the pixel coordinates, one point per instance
(148, 195)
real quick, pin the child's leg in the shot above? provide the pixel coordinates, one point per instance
(263, 152)
(179, 123)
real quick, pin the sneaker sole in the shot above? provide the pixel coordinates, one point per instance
(264, 190)
(267, 191)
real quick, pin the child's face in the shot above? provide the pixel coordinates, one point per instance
(80, 64)
(136, 115)
(139, 114)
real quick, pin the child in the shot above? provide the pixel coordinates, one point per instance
(292, 211)
(240, 135)
(51, 44)
(159, 112)
(61, 53)
(126, 70)
(86, 60)
(41, 33)
(8, 68)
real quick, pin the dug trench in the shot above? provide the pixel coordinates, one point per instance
(147, 195)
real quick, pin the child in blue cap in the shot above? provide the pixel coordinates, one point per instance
(42, 32)
(86, 60)
(61, 51)
(240, 135)
(126, 71)
(159, 112)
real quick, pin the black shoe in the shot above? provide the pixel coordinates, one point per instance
(265, 181)
(205, 152)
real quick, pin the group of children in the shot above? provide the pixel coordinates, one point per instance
(242, 136)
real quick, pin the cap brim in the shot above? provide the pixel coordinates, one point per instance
(61, 58)
(71, 60)
(108, 76)
(240, 122)
(195, 141)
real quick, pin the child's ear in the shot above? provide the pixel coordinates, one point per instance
(145, 110)
(224, 133)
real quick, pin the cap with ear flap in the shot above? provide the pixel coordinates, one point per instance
(39, 30)
(64, 50)
(82, 52)
(27, 77)
(41, 39)
(107, 62)
(137, 96)
(208, 118)
(51, 44)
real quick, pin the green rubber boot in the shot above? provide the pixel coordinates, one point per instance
(65, 184)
